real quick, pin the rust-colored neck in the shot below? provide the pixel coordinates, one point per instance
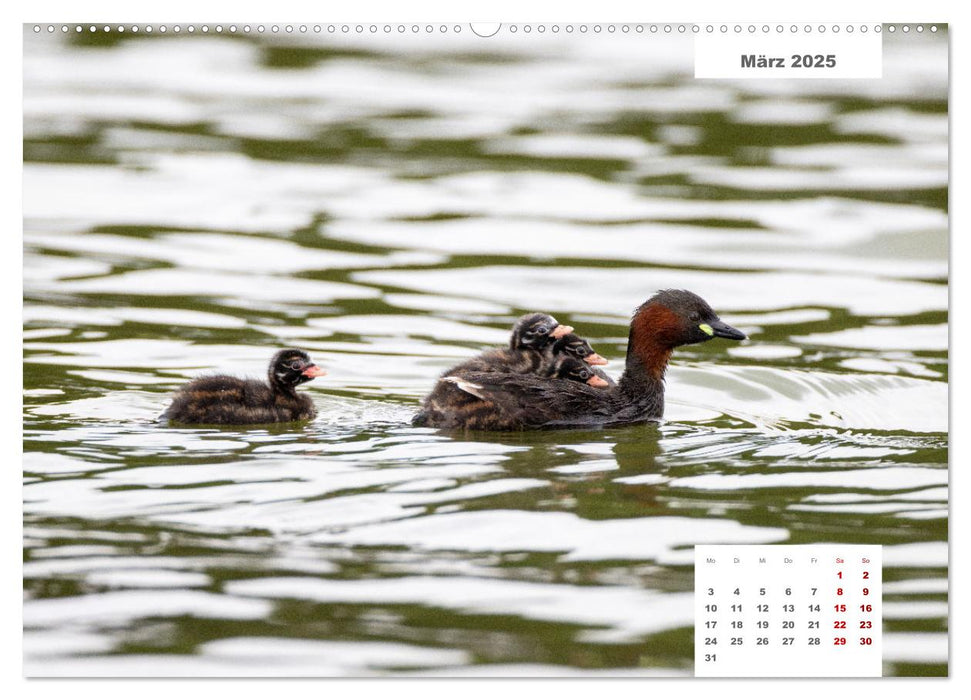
(653, 336)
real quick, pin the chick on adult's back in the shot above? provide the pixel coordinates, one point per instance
(508, 401)
(529, 350)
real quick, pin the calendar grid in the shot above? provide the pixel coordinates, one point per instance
(788, 610)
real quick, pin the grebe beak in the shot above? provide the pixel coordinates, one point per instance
(595, 359)
(598, 382)
(313, 371)
(561, 331)
(720, 329)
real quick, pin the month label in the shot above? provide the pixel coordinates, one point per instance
(768, 52)
(788, 610)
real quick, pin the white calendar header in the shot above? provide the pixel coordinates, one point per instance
(787, 54)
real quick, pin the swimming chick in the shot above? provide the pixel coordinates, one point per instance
(224, 400)
(505, 401)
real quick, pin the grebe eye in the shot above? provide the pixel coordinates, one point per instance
(541, 330)
(296, 364)
(581, 351)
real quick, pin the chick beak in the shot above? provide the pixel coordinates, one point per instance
(312, 371)
(598, 382)
(595, 359)
(561, 331)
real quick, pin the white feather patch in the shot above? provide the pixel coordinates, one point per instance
(466, 386)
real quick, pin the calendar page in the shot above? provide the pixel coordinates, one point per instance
(428, 347)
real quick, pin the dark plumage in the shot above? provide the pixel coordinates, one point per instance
(505, 401)
(224, 400)
(574, 370)
(528, 352)
(535, 332)
(572, 345)
(530, 346)
(481, 412)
